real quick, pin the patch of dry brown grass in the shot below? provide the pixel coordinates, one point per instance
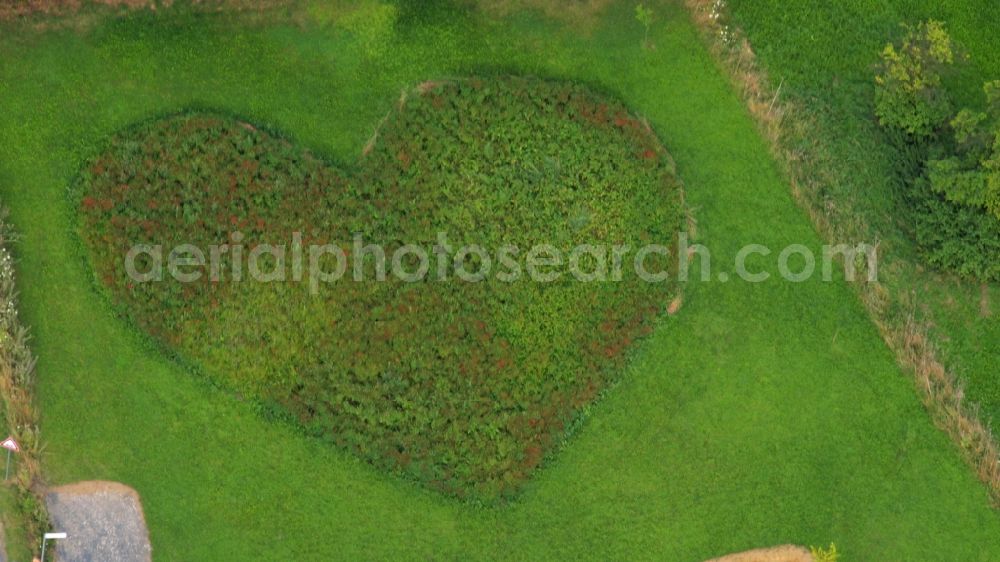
(13, 9)
(783, 553)
(67, 9)
(675, 305)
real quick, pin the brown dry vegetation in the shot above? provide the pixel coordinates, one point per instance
(783, 553)
(14, 9)
(87, 487)
(893, 313)
(11, 9)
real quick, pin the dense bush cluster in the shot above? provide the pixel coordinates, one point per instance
(464, 386)
(949, 162)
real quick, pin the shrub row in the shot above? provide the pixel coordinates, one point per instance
(17, 380)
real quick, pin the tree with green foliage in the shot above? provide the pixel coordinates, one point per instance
(970, 175)
(949, 162)
(909, 95)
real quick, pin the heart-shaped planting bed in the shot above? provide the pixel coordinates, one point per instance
(464, 385)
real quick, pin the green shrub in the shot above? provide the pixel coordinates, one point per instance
(948, 164)
(954, 237)
(464, 386)
(970, 174)
(825, 555)
(956, 201)
(909, 96)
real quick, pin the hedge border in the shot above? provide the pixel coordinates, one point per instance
(17, 381)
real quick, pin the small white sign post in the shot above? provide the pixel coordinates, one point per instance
(50, 537)
(10, 445)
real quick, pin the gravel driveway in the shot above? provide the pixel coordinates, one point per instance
(103, 522)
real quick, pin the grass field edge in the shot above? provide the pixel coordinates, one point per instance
(894, 315)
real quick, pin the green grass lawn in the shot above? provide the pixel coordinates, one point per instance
(11, 532)
(826, 54)
(758, 415)
(13, 535)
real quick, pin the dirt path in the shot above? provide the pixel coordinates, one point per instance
(103, 522)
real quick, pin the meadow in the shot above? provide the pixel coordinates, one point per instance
(826, 55)
(758, 414)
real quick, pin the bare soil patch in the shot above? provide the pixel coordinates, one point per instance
(783, 553)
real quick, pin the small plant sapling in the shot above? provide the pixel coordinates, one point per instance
(644, 16)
